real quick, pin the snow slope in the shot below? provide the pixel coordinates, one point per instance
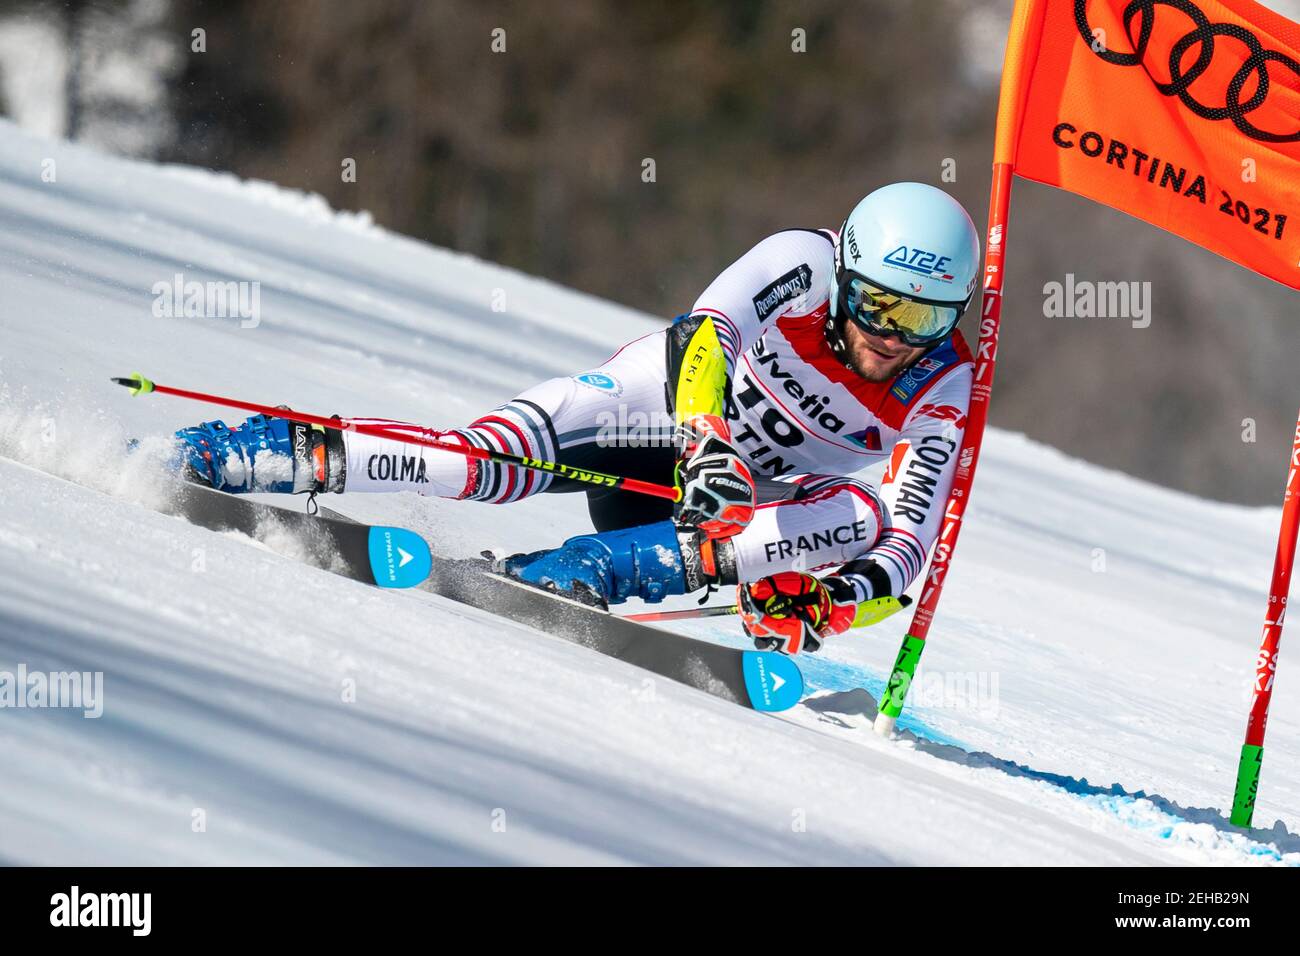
(1096, 641)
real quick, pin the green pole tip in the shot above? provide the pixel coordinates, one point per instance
(900, 679)
(1243, 798)
(137, 383)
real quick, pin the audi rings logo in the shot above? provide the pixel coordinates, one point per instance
(1202, 36)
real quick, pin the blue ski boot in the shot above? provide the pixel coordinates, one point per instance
(651, 562)
(264, 454)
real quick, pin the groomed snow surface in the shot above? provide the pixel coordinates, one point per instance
(1082, 700)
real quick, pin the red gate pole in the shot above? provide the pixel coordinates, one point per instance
(1252, 751)
(909, 655)
(1023, 38)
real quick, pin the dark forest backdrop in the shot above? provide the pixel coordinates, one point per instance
(536, 157)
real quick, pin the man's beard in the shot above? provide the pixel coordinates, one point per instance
(838, 336)
(875, 374)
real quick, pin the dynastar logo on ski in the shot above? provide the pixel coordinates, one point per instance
(400, 558)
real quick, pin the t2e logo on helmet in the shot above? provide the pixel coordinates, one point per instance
(928, 264)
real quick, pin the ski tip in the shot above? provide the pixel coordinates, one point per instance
(137, 383)
(398, 558)
(773, 681)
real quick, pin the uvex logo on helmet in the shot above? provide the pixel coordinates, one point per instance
(928, 264)
(854, 251)
(1202, 37)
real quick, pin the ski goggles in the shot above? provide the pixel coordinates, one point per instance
(886, 312)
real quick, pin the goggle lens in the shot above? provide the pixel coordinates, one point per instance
(885, 312)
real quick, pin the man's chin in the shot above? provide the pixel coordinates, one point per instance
(877, 369)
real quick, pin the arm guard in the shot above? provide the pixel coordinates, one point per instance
(697, 369)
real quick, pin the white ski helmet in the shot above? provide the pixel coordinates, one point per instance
(907, 264)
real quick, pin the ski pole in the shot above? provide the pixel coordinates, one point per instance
(1252, 751)
(139, 385)
(688, 614)
(869, 612)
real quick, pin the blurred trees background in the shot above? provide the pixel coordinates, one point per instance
(535, 157)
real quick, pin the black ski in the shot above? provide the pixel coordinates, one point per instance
(396, 557)
(373, 554)
(758, 679)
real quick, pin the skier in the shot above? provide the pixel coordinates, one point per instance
(814, 356)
